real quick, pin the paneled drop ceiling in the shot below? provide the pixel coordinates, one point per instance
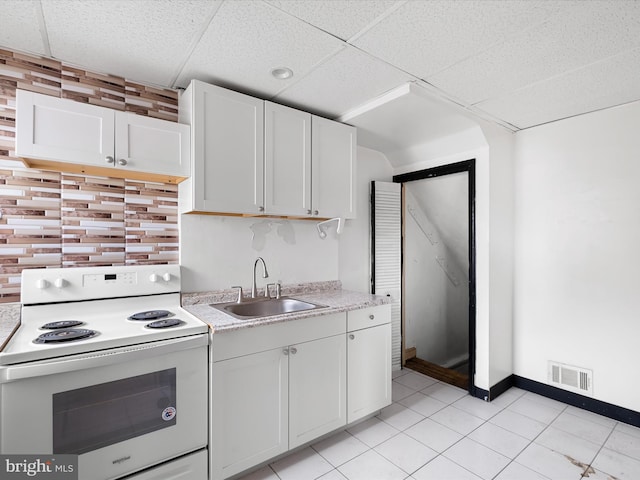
(519, 63)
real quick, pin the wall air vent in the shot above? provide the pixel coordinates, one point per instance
(567, 377)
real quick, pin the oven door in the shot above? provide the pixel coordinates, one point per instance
(120, 410)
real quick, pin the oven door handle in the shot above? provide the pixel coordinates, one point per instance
(11, 373)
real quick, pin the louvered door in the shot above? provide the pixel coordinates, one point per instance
(386, 256)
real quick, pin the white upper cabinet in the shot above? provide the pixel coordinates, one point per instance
(252, 157)
(147, 144)
(72, 136)
(228, 143)
(309, 164)
(287, 160)
(51, 128)
(333, 170)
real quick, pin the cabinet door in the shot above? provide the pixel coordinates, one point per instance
(287, 157)
(146, 144)
(57, 129)
(249, 411)
(228, 136)
(368, 371)
(317, 388)
(333, 169)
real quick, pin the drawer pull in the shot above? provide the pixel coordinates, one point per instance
(371, 317)
(352, 337)
(285, 351)
(293, 350)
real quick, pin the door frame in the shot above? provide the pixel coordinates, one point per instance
(468, 166)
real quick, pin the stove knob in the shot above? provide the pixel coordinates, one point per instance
(166, 277)
(60, 283)
(153, 278)
(42, 284)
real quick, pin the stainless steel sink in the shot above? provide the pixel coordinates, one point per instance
(265, 307)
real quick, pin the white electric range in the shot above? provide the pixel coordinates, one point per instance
(106, 365)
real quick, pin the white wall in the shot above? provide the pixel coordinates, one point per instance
(494, 238)
(354, 248)
(501, 239)
(218, 252)
(577, 216)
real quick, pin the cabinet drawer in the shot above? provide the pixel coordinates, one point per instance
(368, 317)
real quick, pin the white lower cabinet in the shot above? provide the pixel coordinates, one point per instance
(280, 386)
(369, 361)
(266, 400)
(249, 404)
(369, 371)
(317, 389)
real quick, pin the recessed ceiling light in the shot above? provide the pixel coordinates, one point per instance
(282, 73)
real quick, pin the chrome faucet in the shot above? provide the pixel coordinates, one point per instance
(264, 275)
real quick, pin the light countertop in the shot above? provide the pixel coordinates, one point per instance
(9, 321)
(322, 293)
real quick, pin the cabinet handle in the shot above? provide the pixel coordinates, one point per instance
(109, 159)
(371, 317)
(293, 350)
(352, 336)
(285, 351)
(261, 209)
(315, 212)
(122, 162)
(309, 211)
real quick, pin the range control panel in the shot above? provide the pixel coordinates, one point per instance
(121, 278)
(44, 285)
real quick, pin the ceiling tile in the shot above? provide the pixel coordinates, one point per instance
(580, 34)
(611, 82)
(348, 79)
(342, 18)
(145, 40)
(19, 26)
(424, 38)
(247, 39)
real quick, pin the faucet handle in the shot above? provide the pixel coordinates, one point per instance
(267, 294)
(239, 300)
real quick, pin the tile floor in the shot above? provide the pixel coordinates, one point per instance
(433, 431)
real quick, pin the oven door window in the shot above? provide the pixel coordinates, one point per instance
(100, 415)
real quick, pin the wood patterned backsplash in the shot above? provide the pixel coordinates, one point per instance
(52, 219)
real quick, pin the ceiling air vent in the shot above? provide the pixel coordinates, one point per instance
(576, 379)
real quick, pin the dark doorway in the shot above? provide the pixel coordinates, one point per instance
(441, 299)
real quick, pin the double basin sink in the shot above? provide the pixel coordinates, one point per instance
(265, 307)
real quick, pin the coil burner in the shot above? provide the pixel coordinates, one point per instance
(61, 324)
(150, 315)
(166, 323)
(65, 335)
